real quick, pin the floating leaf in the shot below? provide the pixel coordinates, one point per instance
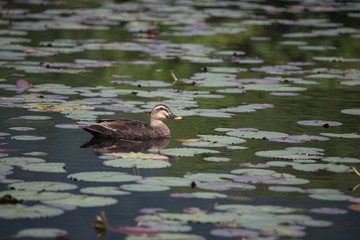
(209, 177)
(34, 117)
(319, 123)
(42, 186)
(20, 161)
(18, 211)
(103, 191)
(330, 211)
(256, 134)
(166, 181)
(342, 135)
(137, 163)
(103, 176)
(144, 187)
(45, 167)
(186, 152)
(22, 128)
(83, 201)
(27, 138)
(354, 111)
(224, 185)
(217, 159)
(40, 233)
(201, 195)
(234, 232)
(341, 160)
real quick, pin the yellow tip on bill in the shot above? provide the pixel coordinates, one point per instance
(178, 118)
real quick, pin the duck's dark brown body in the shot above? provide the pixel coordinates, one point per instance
(124, 128)
(131, 129)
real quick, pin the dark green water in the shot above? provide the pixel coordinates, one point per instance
(323, 101)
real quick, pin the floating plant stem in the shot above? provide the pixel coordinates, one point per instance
(355, 170)
(175, 78)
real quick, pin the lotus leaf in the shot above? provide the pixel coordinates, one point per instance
(103, 176)
(18, 211)
(40, 233)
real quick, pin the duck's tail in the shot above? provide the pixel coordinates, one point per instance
(95, 130)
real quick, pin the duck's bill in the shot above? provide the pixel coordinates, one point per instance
(173, 116)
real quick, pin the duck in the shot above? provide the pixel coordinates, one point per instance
(131, 129)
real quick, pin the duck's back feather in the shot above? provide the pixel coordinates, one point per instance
(122, 128)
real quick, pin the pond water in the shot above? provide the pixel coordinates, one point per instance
(268, 147)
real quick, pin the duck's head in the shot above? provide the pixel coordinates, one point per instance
(161, 111)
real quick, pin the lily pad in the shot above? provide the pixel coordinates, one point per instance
(27, 138)
(354, 111)
(42, 186)
(342, 135)
(186, 152)
(234, 232)
(256, 134)
(83, 201)
(40, 233)
(319, 123)
(45, 167)
(103, 191)
(103, 176)
(209, 177)
(201, 195)
(137, 163)
(18, 211)
(293, 154)
(166, 181)
(20, 161)
(217, 159)
(144, 187)
(341, 160)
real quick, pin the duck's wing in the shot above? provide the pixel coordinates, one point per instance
(120, 128)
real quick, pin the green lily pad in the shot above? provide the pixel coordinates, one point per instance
(83, 201)
(40, 233)
(209, 177)
(167, 236)
(103, 176)
(257, 134)
(201, 195)
(226, 69)
(27, 138)
(330, 197)
(103, 191)
(18, 211)
(273, 88)
(293, 154)
(45, 167)
(151, 83)
(354, 111)
(166, 181)
(342, 135)
(341, 160)
(34, 195)
(34, 117)
(38, 154)
(319, 123)
(20, 161)
(186, 152)
(137, 163)
(144, 187)
(217, 159)
(222, 139)
(22, 129)
(42, 186)
(253, 171)
(313, 167)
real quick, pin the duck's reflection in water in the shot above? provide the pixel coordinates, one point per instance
(101, 145)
